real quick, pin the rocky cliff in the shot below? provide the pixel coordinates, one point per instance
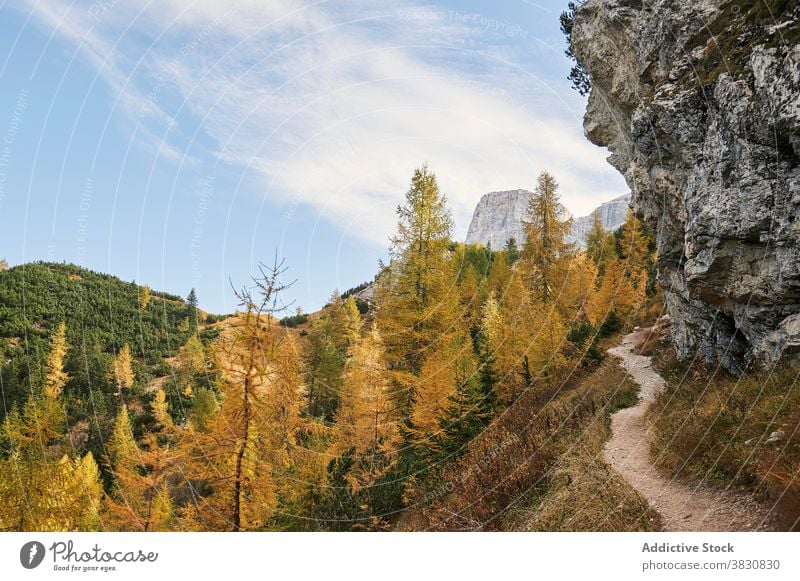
(699, 103)
(499, 215)
(612, 216)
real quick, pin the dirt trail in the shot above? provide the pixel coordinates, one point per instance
(682, 507)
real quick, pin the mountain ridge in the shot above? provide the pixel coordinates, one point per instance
(499, 216)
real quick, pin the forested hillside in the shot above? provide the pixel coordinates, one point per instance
(342, 420)
(102, 314)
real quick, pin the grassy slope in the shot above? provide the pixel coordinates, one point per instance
(539, 467)
(583, 493)
(711, 427)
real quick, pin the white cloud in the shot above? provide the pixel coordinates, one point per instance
(335, 107)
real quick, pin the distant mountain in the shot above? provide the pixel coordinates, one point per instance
(498, 217)
(612, 215)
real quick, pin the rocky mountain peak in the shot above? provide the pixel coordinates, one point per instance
(499, 215)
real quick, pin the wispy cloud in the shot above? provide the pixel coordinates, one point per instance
(334, 105)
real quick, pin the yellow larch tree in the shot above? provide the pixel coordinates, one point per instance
(436, 385)
(191, 360)
(145, 296)
(43, 486)
(56, 378)
(499, 274)
(525, 339)
(160, 410)
(366, 423)
(578, 278)
(547, 225)
(449, 406)
(140, 499)
(330, 337)
(415, 295)
(634, 249)
(600, 244)
(123, 369)
(245, 450)
(617, 294)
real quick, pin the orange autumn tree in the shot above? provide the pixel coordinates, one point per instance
(622, 290)
(634, 247)
(437, 397)
(600, 243)
(436, 385)
(237, 464)
(140, 496)
(366, 423)
(525, 338)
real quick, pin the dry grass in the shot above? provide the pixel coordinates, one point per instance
(540, 467)
(584, 493)
(715, 428)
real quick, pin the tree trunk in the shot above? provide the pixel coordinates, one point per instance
(237, 489)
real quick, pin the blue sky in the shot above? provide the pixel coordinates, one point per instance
(180, 142)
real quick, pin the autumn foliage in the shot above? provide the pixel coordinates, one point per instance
(352, 417)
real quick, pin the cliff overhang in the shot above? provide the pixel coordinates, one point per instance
(699, 104)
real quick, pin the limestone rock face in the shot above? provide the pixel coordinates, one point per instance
(612, 216)
(699, 104)
(499, 215)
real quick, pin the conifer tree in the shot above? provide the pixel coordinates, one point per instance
(466, 414)
(352, 318)
(204, 406)
(600, 244)
(471, 294)
(191, 361)
(56, 378)
(329, 340)
(434, 389)
(499, 274)
(525, 338)
(414, 299)
(42, 485)
(512, 251)
(191, 310)
(366, 423)
(450, 406)
(247, 443)
(140, 498)
(617, 295)
(578, 279)
(123, 369)
(634, 247)
(546, 228)
(623, 287)
(160, 410)
(145, 296)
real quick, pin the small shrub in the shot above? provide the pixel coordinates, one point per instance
(294, 320)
